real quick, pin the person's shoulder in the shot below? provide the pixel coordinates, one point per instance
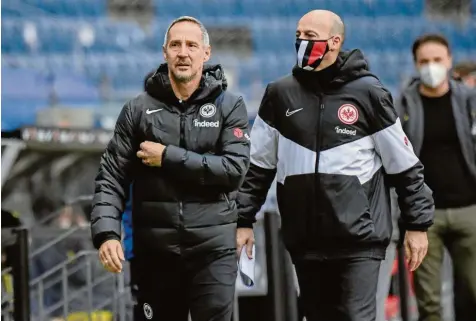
(229, 101)
(283, 83)
(373, 87)
(368, 83)
(230, 98)
(141, 102)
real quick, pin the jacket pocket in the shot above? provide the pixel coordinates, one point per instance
(343, 210)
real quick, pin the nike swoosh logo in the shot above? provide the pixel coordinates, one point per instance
(289, 113)
(148, 112)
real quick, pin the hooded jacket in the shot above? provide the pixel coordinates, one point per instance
(336, 145)
(187, 205)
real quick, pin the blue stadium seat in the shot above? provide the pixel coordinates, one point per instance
(20, 112)
(74, 89)
(12, 37)
(74, 8)
(23, 94)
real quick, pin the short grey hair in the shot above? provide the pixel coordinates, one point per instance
(205, 36)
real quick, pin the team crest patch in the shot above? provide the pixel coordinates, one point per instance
(238, 132)
(348, 114)
(148, 313)
(208, 110)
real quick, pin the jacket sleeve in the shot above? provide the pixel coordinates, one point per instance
(472, 115)
(226, 170)
(113, 180)
(263, 161)
(404, 169)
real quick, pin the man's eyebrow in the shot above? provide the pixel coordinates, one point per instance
(307, 31)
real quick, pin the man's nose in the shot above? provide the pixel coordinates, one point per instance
(183, 51)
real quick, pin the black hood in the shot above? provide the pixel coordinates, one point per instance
(213, 82)
(350, 65)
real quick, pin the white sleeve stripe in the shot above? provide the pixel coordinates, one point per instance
(264, 144)
(395, 149)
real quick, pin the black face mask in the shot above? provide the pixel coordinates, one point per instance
(310, 53)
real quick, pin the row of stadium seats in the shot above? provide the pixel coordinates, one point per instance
(236, 8)
(124, 71)
(43, 35)
(52, 57)
(247, 8)
(258, 8)
(74, 8)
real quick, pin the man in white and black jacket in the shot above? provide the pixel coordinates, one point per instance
(330, 134)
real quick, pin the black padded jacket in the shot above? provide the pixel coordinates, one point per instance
(187, 205)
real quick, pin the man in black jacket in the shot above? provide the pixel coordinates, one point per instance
(331, 136)
(439, 117)
(184, 146)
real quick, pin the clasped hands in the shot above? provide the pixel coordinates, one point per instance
(151, 153)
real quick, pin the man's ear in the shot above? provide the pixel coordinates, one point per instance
(336, 43)
(208, 53)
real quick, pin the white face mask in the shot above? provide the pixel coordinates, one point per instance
(433, 74)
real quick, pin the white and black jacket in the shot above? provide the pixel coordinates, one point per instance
(336, 145)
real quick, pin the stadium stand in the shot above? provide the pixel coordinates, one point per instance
(72, 49)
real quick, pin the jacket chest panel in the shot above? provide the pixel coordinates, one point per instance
(198, 130)
(334, 119)
(298, 119)
(203, 129)
(161, 126)
(344, 120)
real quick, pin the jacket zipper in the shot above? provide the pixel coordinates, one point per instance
(183, 145)
(319, 137)
(312, 220)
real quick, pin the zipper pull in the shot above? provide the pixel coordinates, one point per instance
(322, 106)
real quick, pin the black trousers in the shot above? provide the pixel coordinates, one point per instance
(170, 286)
(337, 290)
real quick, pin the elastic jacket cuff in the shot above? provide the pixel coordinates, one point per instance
(104, 237)
(244, 223)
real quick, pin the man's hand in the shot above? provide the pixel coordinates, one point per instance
(111, 255)
(151, 153)
(416, 246)
(245, 236)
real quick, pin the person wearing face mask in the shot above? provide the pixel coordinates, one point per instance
(331, 136)
(439, 117)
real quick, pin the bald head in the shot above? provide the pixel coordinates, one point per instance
(322, 26)
(323, 23)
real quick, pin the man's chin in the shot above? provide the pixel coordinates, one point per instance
(183, 77)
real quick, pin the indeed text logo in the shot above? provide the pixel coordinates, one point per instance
(204, 123)
(345, 131)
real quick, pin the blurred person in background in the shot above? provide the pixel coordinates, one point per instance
(330, 134)
(184, 146)
(465, 71)
(438, 114)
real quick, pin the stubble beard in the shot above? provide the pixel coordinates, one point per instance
(183, 78)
